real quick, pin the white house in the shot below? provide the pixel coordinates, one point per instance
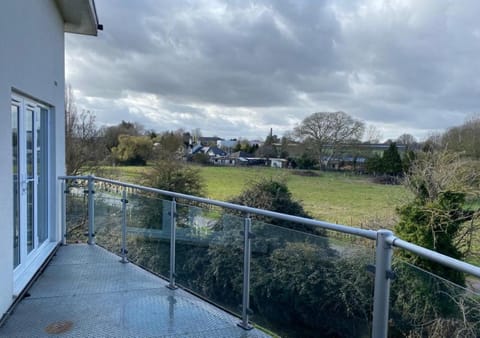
(278, 163)
(32, 140)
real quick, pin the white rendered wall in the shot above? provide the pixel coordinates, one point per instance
(32, 63)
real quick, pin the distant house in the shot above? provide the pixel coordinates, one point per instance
(240, 154)
(223, 161)
(210, 151)
(196, 148)
(218, 156)
(347, 157)
(278, 163)
(215, 152)
(215, 155)
(32, 135)
(345, 163)
(243, 158)
(353, 157)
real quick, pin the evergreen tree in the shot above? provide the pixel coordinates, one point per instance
(392, 162)
(434, 224)
(388, 164)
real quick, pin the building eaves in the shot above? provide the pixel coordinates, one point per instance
(79, 16)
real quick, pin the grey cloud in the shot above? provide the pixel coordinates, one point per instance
(232, 59)
(414, 64)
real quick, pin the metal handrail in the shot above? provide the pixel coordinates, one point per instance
(385, 241)
(435, 256)
(370, 234)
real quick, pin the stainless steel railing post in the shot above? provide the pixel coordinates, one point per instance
(383, 275)
(91, 210)
(64, 213)
(124, 227)
(247, 241)
(173, 215)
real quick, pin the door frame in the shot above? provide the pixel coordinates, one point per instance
(29, 261)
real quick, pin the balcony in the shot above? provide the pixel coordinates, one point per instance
(162, 264)
(86, 292)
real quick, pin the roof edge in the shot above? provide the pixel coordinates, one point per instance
(79, 16)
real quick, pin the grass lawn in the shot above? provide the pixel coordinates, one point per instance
(335, 197)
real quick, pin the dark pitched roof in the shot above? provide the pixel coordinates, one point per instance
(217, 151)
(240, 154)
(196, 148)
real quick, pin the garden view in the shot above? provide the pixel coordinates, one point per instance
(304, 280)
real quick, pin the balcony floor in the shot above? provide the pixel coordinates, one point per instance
(86, 292)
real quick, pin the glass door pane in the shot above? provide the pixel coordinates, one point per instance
(16, 194)
(41, 124)
(30, 178)
(30, 144)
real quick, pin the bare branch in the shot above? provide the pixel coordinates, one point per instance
(329, 129)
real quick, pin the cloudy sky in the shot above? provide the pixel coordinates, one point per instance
(238, 68)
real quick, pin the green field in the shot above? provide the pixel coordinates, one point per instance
(335, 197)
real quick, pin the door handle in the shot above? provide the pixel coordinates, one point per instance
(25, 182)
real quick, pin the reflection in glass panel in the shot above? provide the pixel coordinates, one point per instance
(76, 203)
(426, 305)
(303, 283)
(16, 195)
(108, 217)
(148, 231)
(209, 254)
(29, 120)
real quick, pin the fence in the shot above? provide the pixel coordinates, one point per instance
(283, 266)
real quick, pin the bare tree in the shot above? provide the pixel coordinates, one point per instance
(433, 142)
(436, 172)
(82, 152)
(464, 138)
(329, 130)
(372, 134)
(170, 145)
(407, 139)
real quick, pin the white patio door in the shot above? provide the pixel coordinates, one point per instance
(30, 175)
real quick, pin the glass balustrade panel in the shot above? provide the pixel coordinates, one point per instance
(307, 283)
(76, 204)
(108, 216)
(423, 304)
(209, 254)
(148, 231)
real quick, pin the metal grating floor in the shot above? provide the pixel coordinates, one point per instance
(88, 287)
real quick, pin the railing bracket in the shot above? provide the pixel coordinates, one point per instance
(247, 327)
(370, 268)
(389, 274)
